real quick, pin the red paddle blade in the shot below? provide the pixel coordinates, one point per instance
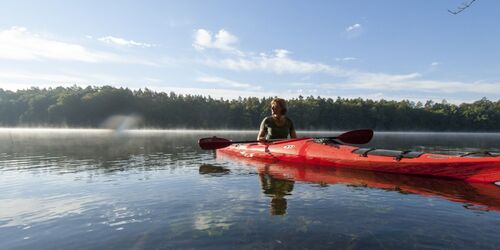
(360, 136)
(213, 143)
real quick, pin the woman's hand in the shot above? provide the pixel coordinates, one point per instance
(261, 137)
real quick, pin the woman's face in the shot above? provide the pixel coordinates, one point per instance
(276, 109)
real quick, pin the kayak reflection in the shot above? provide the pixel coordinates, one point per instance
(278, 178)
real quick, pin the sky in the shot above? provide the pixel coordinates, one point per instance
(388, 49)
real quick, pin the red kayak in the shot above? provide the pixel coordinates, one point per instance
(471, 168)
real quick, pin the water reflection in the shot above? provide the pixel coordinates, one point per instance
(276, 188)
(213, 170)
(96, 189)
(95, 151)
(27, 211)
(278, 179)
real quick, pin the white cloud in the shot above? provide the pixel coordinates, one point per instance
(346, 59)
(227, 82)
(281, 53)
(353, 31)
(16, 79)
(202, 39)
(320, 90)
(417, 90)
(226, 93)
(308, 91)
(152, 80)
(353, 27)
(17, 43)
(279, 63)
(382, 77)
(123, 42)
(408, 82)
(435, 64)
(15, 76)
(223, 40)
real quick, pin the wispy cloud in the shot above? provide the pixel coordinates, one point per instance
(346, 59)
(435, 64)
(226, 93)
(353, 31)
(277, 62)
(123, 42)
(19, 76)
(308, 89)
(353, 27)
(17, 43)
(431, 86)
(19, 79)
(227, 83)
(280, 62)
(408, 82)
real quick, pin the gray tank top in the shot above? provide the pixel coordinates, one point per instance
(273, 131)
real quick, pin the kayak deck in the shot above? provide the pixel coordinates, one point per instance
(309, 151)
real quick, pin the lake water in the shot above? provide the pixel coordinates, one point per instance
(99, 189)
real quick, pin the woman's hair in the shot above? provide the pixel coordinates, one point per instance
(281, 103)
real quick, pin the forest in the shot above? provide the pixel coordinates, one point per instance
(90, 106)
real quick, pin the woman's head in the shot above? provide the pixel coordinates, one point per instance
(278, 106)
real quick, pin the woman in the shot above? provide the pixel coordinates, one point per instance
(276, 126)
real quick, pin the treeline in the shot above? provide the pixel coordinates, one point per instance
(90, 106)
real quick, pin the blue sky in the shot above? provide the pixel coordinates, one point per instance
(394, 50)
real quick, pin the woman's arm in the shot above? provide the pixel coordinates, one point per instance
(262, 131)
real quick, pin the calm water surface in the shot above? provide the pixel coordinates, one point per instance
(98, 189)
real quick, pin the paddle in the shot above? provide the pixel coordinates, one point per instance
(360, 136)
